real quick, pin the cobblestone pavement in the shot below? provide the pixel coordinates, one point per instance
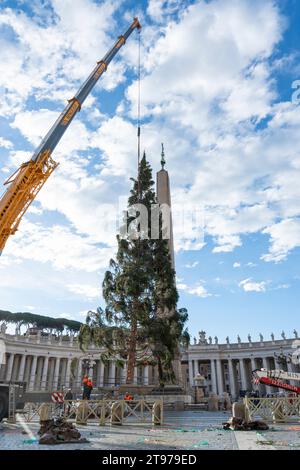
(188, 430)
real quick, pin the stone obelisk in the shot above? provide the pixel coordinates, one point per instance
(164, 197)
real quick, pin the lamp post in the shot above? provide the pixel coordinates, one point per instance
(88, 365)
(282, 359)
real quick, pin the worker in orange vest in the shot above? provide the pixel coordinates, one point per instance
(128, 397)
(85, 379)
(90, 388)
(87, 387)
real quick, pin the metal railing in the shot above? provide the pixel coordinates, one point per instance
(277, 409)
(101, 412)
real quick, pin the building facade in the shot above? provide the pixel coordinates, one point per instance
(49, 362)
(46, 362)
(228, 367)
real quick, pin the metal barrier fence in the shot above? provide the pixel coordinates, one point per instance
(277, 409)
(32, 411)
(98, 411)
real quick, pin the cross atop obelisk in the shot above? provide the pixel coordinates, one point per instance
(164, 197)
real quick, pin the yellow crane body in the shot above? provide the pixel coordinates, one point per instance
(24, 185)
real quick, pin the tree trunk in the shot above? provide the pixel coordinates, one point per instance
(132, 351)
(160, 372)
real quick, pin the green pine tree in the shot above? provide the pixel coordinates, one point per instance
(140, 322)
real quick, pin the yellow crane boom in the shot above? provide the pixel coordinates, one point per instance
(27, 181)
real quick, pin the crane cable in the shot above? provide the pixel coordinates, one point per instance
(139, 113)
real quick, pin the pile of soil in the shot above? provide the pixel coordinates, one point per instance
(239, 424)
(59, 431)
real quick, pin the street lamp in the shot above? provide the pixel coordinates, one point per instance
(282, 359)
(88, 365)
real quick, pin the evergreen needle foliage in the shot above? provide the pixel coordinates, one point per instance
(141, 323)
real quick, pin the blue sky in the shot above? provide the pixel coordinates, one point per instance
(217, 90)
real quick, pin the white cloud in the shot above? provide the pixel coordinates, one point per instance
(251, 264)
(285, 236)
(83, 290)
(236, 265)
(65, 315)
(116, 138)
(7, 144)
(244, 178)
(191, 265)
(198, 290)
(17, 157)
(223, 72)
(227, 243)
(51, 57)
(57, 245)
(160, 9)
(204, 106)
(34, 125)
(181, 286)
(83, 313)
(282, 286)
(252, 286)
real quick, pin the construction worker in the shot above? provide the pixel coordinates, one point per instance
(89, 388)
(85, 387)
(68, 397)
(85, 379)
(128, 397)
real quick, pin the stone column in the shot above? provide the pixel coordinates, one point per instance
(220, 377)
(253, 367)
(62, 375)
(15, 368)
(91, 369)
(27, 369)
(9, 369)
(45, 373)
(112, 374)
(22, 368)
(232, 380)
(135, 379)
(98, 374)
(191, 377)
(32, 373)
(79, 373)
(38, 381)
(50, 376)
(213, 376)
(266, 366)
(102, 374)
(124, 373)
(56, 374)
(68, 373)
(291, 368)
(146, 375)
(253, 364)
(243, 375)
